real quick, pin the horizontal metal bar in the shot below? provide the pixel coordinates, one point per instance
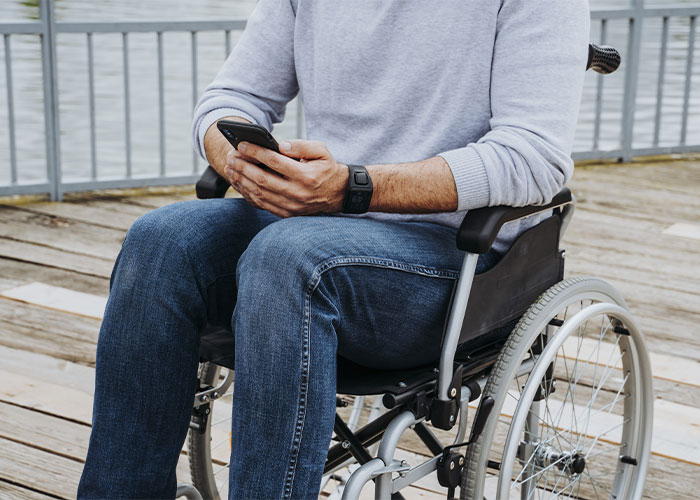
(239, 24)
(612, 14)
(597, 155)
(134, 182)
(150, 26)
(21, 27)
(677, 10)
(40, 188)
(618, 153)
(670, 150)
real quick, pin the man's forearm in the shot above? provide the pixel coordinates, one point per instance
(309, 181)
(216, 146)
(422, 187)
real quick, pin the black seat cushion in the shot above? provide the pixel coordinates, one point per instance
(217, 345)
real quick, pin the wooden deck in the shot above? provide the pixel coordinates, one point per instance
(637, 225)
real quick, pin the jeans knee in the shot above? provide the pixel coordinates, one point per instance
(282, 255)
(157, 243)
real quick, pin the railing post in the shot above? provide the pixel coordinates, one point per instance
(51, 119)
(634, 47)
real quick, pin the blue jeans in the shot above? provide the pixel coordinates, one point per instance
(297, 292)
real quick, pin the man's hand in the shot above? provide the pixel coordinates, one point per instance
(310, 181)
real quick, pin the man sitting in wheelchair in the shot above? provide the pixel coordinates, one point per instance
(337, 271)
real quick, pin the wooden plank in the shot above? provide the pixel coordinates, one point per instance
(55, 333)
(52, 398)
(10, 491)
(619, 233)
(39, 470)
(52, 257)
(671, 368)
(157, 201)
(58, 232)
(47, 384)
(48, 369)
(8, 283)
(14, 273)
(684, 230)
(91, 214)
(58, 298)
(45, 432)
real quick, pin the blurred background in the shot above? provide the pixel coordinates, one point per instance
(116, 126)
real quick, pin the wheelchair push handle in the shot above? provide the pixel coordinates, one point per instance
(603, 60)
(211, 185)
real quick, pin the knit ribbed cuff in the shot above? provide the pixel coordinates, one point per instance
(470, 177)
(212, 117)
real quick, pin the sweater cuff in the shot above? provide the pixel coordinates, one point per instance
(212, 117)
(470, 177)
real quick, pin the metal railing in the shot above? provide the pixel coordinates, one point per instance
(46, 28)
(635, 16)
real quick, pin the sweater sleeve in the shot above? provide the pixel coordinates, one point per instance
(537, 79)
(258, 79)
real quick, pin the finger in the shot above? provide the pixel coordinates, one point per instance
(267, 180)
(259, 200)
(257, 193)
(277, 162)
(306, 150)
(275, 210)
(234, 154)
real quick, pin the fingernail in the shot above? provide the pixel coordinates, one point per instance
(230, 161)
(229, 171)
(285, 146)
(242, 146)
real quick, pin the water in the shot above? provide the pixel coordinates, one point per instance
(73, 87)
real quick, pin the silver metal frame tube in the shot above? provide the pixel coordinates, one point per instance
(454, 325)
(387, 448)
(360, 477)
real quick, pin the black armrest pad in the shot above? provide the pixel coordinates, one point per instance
(481, 226)
(211, 185)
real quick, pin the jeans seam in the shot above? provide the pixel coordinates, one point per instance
(311, 286)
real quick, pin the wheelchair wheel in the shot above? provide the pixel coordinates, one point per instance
(573, 402)
(209, 449)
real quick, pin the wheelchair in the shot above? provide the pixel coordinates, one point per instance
(543, 387)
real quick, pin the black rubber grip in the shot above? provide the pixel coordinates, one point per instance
(481, 226)
(603, 60)
(211, 185)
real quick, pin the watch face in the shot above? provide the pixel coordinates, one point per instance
(359, 201)
(359, 198)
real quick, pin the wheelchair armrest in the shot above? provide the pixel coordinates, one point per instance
(211, 185)
(481, 226)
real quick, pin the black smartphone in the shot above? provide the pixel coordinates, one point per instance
(236, 132)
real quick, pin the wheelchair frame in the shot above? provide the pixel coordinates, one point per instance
(442, 396)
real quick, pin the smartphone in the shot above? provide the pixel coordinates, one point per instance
(236, 132)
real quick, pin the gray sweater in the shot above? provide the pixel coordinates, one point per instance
(492, 86)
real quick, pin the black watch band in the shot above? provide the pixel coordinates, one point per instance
(359, 193)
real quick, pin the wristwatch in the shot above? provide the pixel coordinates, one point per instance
(359, 192)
